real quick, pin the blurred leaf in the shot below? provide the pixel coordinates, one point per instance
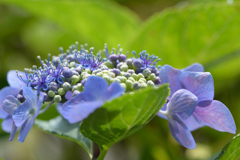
(93, 22)
(231, 150)
(207, 34)
(60, 127)
(123, 116)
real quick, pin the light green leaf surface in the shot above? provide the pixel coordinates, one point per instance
(208, 34)
(60, 127)
(123, 116)
(91, 22)
(231, 151)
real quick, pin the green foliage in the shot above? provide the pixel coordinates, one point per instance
(195, 33)
(123, 116)
(61, 128)
(231, 150)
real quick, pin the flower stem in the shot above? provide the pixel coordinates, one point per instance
(102, 154)
(97, 153)
(46, 108)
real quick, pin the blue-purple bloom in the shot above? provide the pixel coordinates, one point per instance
(13, 89)
(23, 115)
(96, 92)
(207, 112)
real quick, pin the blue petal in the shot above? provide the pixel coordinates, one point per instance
(25, 129)
(216, 116)
(6, 91)
(21, 114)
(181, 133)
(60, 80)
(193, 123)
(59, 108)
(95, 89)
(7, 124)
(30, 96)
(14, 81)
(171, 75)
(182, 103)
(76, 112)
(68, 95)
(10, 104)
(196, 67)
(13, 132)
(114, 90)
(40, 103)
(200, 84)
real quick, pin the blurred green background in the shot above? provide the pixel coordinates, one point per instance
(179, 32)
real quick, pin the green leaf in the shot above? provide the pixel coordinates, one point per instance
(207, 34)
(91, 22)
(231, 151)
(61, 128)
(123, 116)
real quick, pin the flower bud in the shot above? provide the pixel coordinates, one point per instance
(20, 98)
(137, 63)
(152, 77)
(61, 91)
(76, 92)
(122, 58)
(74, 79)
(67, 73)
(124, 67)
(66, 86)
(136, 85)
(57, 98)
(53, 86)
(147, 72)
(51, 93)
(113, 58)
(150, 83)
(135, 76)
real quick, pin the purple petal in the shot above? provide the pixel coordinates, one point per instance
(95, 89)
(200, 84)
(40, 103)
(193, 123)
(182, 103)
(171, 75)
(14, 81)
(68, 95)
(7, 124)
(30, 96)
(13, 132)
(10, 104)
(59, 108)
(196, 67)
(21, 114)
(181, 133)
(76, 112)
(216, 116)
(6, 91)
(25, 129)
(114, 90)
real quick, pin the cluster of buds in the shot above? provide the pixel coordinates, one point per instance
(67, 73)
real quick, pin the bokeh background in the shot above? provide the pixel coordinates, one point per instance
(179, 32)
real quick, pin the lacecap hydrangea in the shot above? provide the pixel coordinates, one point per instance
(79, 82)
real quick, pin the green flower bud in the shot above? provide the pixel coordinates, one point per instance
(131, 79)
(123, 85)
(129, 84)
(135, 76)
(108, 64)
(66, 86)
(86, 76)
(124, 68)
(79, 87)
(136, 85)
(88, 71)
(51, 93)
(129, 62)
(147, 72)
(99, 74)
(107, 78)
(61, 91)
(140, 75)
(105, 71)
(152, 77)
(122, 79)
(96, 71)
(143, 85)
(83, 73)
(74, 79)
(72, 65)
(116, 80)
(111, 74)
(75, 88)
(121, 73)
(150, 83)
(142, 79)
(57, 98)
